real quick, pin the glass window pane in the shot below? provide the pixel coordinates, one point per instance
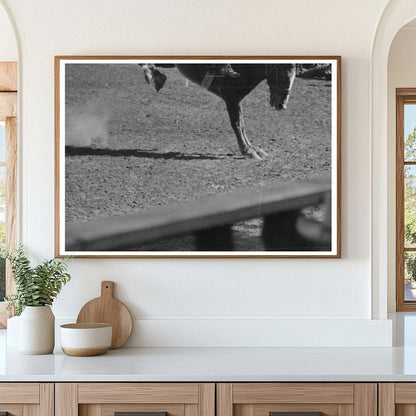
(410, 132)
(410, 206)
(409, 275)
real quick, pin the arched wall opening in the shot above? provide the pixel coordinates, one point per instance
(401, 74)
(396, 16)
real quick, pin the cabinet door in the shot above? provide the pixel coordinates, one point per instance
(297, 399)
(397, 399)
(141, 399)
(26, 399)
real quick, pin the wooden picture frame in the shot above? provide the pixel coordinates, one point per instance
(146, 171)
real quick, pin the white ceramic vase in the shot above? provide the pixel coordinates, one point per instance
(37, 330)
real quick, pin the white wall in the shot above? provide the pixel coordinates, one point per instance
(204, 302)
(8, 46)
(401, 74)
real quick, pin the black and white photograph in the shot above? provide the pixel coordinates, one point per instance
(197, 157)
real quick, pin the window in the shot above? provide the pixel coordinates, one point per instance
(406, 199)
(2, 206)
(8, 165)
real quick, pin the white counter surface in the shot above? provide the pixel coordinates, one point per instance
(215, 364)
(222, 364)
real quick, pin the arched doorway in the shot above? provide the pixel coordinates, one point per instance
(396, 15)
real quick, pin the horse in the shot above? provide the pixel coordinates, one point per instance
(279, 77)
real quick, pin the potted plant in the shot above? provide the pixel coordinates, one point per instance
(36, 289)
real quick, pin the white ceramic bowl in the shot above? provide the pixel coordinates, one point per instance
(83, 340)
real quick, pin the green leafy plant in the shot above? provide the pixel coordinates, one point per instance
(35, 285)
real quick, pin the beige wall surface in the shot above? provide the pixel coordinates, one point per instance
(208, 294)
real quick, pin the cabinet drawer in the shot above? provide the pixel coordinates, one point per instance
(19, 393)
(296, 399)
(138, 393)
(21, 399)
(147, 399)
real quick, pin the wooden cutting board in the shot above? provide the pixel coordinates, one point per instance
(108, 310)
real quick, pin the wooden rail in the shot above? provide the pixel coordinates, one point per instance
(210, 221)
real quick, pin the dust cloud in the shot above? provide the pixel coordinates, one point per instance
(87, 125)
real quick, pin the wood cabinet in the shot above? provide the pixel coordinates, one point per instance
(27, 399)
(397, 399)
(267, 399)
(108, 399)
(208, 399)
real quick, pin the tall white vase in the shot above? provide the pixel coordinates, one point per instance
(37, 330)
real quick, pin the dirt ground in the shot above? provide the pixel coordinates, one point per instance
(130, 149)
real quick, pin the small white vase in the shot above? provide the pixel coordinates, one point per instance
(37, 330)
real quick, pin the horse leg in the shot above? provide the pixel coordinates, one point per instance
(235, 112)
(154, 76)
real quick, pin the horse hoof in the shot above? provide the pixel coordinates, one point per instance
(159, 80)
(262, 153)
(253, 154)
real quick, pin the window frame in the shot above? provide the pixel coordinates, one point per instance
(8, 113)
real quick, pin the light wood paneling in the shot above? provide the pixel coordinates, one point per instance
(31, 410)
(34, 399)
(109, 409)
(264, 410)
(340, 393)
(8, 105)
(191, 410)
(138, 393)
(91, 410)
(193, 399)
(19, 393)
(66, 399)
(244, 410)
(207, 399)
(346, 410)
(47, 399)
(365, 399)
(405, 393)
(405, 410)
(224, 399)
(8, 76)
(386, 399)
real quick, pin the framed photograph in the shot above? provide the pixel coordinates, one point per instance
(198, 156)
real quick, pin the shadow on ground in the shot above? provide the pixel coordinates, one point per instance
(151, 154)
